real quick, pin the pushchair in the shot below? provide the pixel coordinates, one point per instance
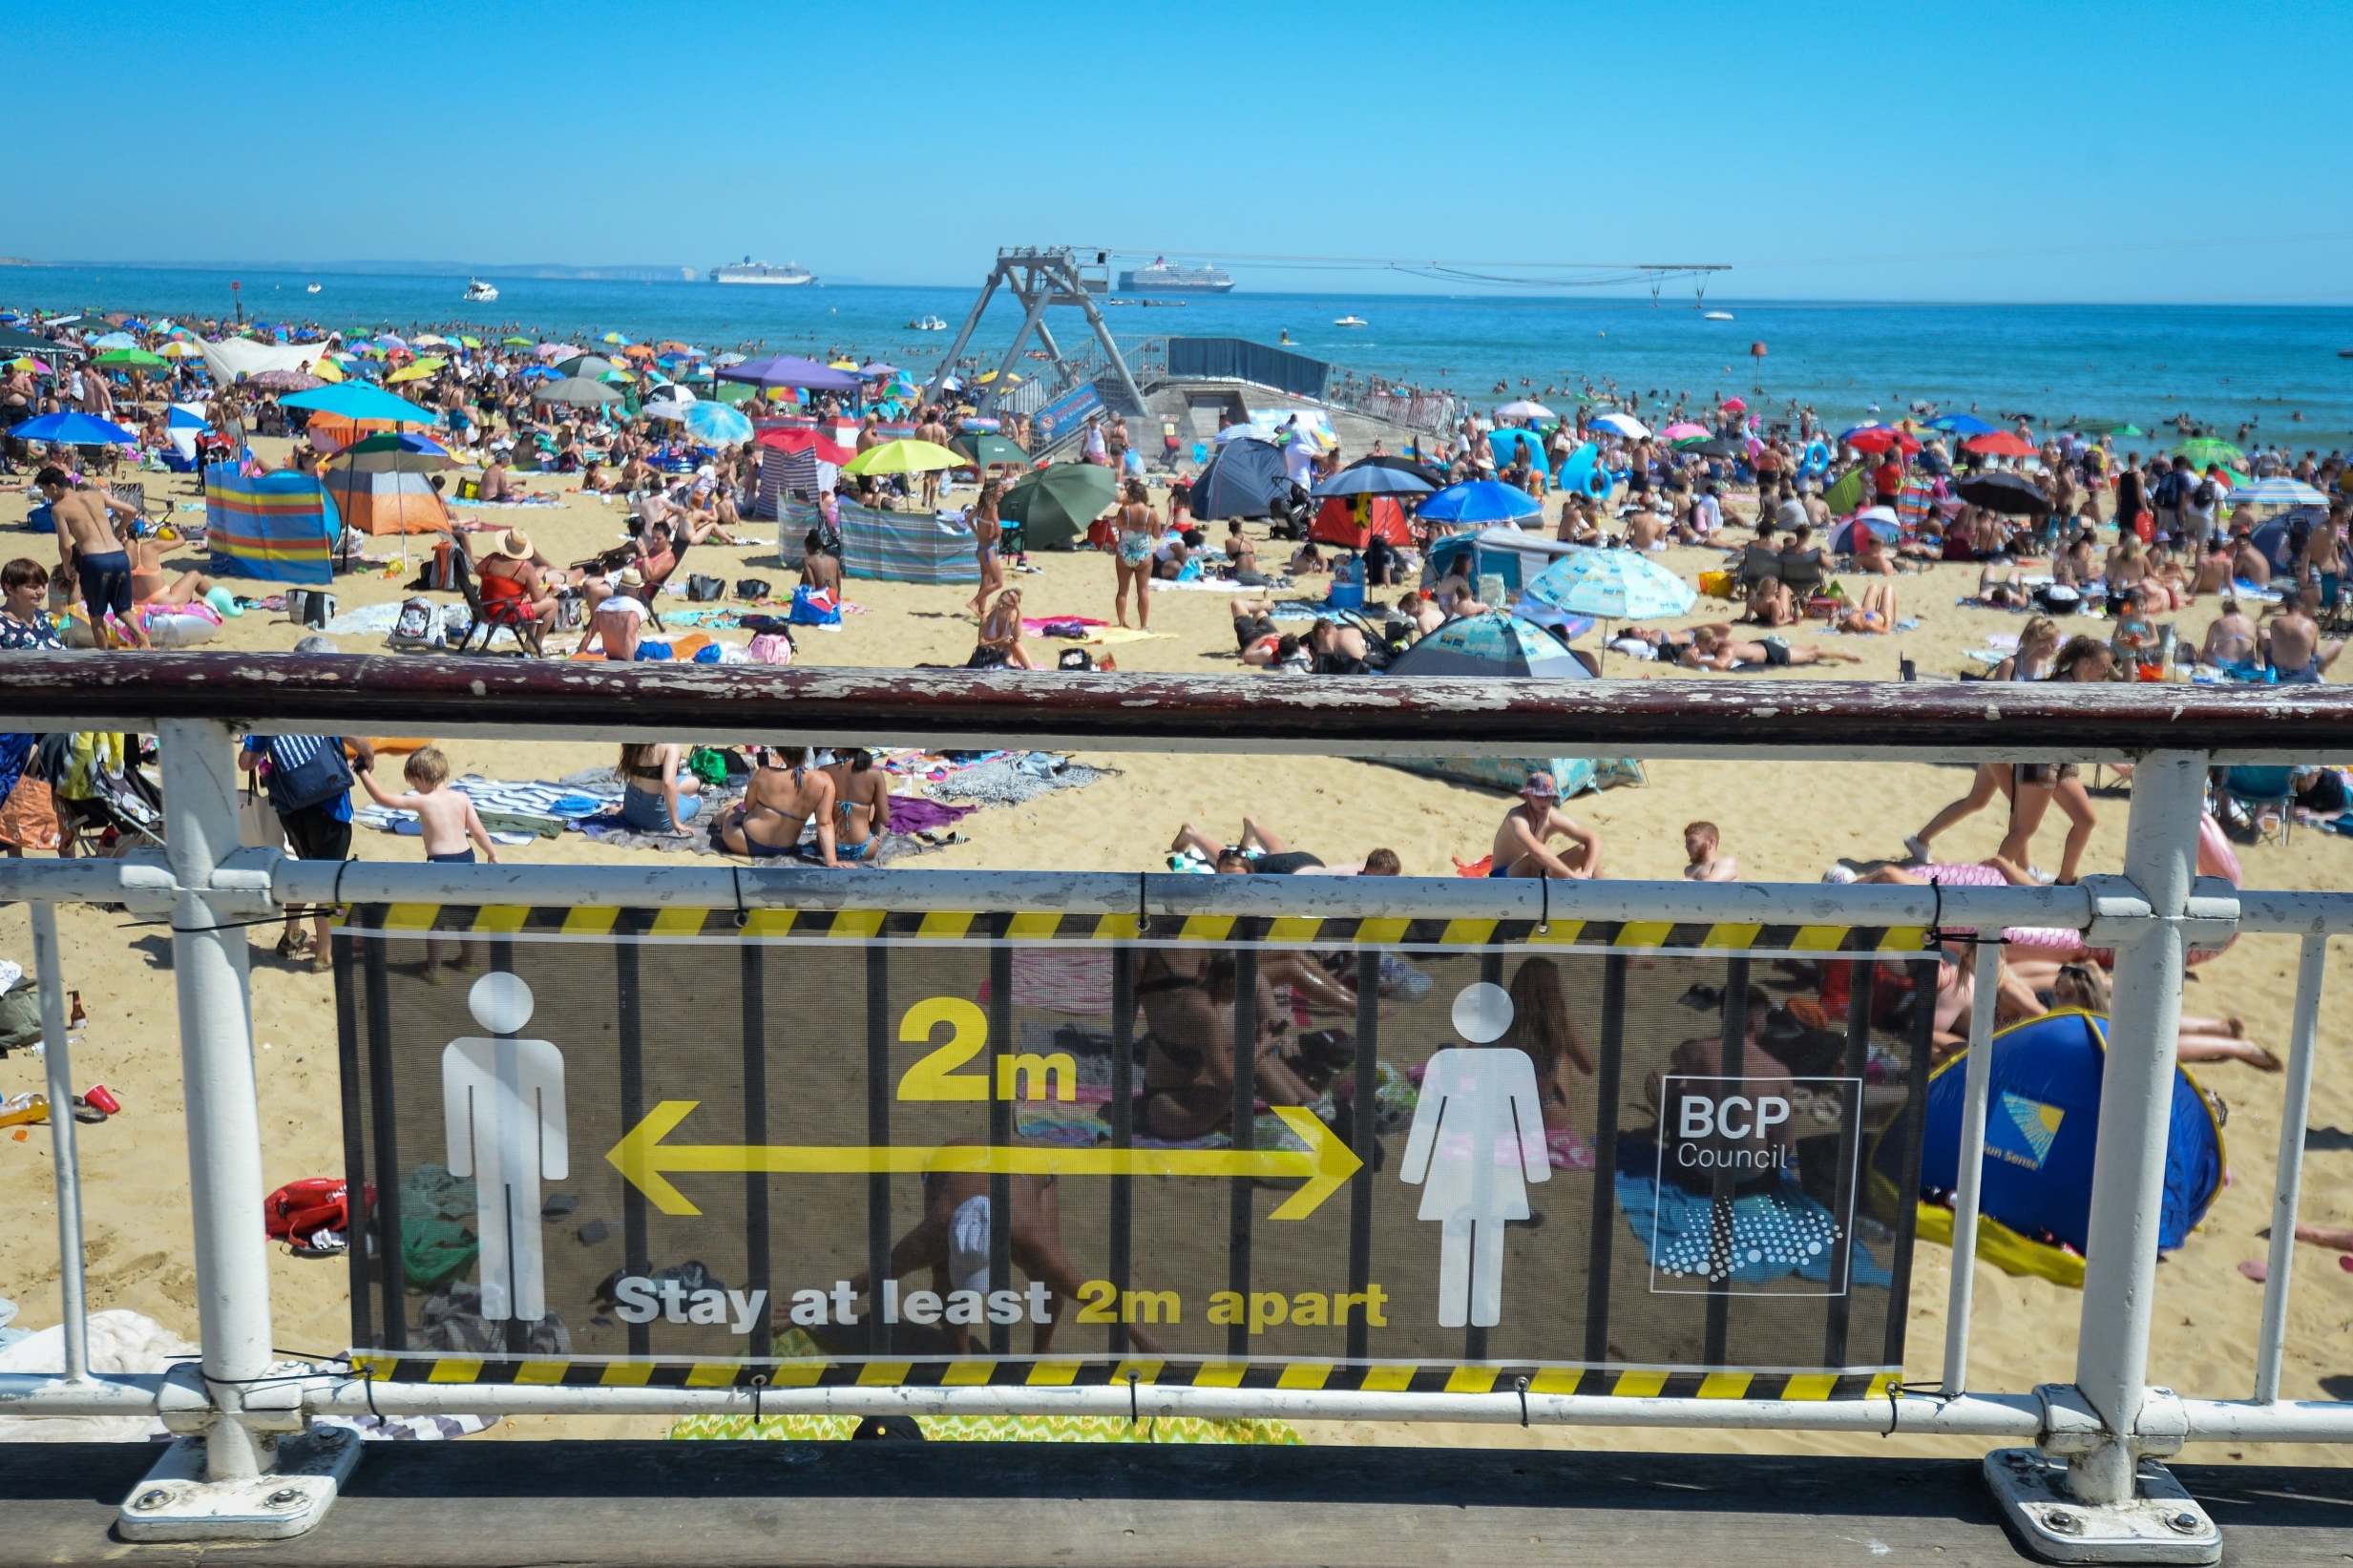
(112, 813)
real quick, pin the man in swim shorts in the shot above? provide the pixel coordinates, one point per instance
(91, 551)
(1523, 843)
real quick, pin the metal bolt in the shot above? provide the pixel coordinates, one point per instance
(2064, 1521)
(2184, 1521)
(286, 1496)
(154, 1498)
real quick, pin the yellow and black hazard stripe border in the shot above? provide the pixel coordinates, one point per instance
(987, 1372)
(1046, 926)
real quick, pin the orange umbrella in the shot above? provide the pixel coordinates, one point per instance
(639, 351)
(333, 433)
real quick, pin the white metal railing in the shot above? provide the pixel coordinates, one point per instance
(248, 1407)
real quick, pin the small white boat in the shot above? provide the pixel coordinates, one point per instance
(478, 292)
(1716, 315)
(1350, 320)
(310, 289)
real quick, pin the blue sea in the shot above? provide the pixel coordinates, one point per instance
(2223, 366)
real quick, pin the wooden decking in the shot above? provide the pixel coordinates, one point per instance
(501, 1505)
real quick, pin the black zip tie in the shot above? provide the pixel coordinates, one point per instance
(743, 917)
(368, 1385)
(759, 1381)
(1898, 1387)
(1520, 1386)
(1132, 1398)
(1543, 923)
(1143, 916)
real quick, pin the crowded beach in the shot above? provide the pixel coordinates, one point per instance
(624, 501)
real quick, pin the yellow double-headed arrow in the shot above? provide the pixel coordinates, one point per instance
(647, 1162)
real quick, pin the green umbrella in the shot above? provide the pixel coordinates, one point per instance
(732, 392)
(1055, 505)
(574, 390)
(2205, 450)
(516, 343)
(590, 365)
(1846, 494)
(2110, 427)
(130, 359)
(987, 450)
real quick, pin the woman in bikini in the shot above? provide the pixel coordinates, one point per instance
(1139, 534)
(147, 582)
(987, 532)
(1000, 644)
(657, 794)
(786, 794)
(862, 806)
(1187, 998)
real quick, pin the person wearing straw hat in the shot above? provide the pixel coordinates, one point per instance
(511, 576)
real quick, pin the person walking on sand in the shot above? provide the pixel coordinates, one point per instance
(1523, 843)
(451, 826)
(988, 534)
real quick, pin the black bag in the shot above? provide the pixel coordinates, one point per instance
(752, 588)
(320, 776)
(1076, 658)
(702, 589)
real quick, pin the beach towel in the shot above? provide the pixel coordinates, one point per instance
(1014, 783)
(1775, 1233)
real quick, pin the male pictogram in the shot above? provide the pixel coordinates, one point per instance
(503, 1105)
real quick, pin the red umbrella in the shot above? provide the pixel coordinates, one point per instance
(1878, 438)
(2000, 444)
(1735, 406)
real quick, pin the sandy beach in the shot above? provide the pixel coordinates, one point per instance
(1783, 821)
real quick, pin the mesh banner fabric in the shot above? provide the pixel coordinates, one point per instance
(874, 1147)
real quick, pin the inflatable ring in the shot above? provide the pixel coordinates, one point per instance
(1817, 459)
(1598, 484)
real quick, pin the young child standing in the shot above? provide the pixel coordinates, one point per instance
(449, 818)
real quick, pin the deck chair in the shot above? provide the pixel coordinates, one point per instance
(2260, 790)
(489, 618)
(1759, 563)
(1804, 574)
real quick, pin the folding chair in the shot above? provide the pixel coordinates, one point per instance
(2258, 789)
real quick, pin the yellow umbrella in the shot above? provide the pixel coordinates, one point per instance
(992, 376)
(843, 364)
(416, 372)
(327, 369)
(470, 343)
(179, 349)
(904, 457)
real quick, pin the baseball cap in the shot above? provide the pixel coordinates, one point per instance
(1540, 785)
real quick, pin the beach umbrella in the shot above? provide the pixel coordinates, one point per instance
(1374, 481)
(1422, 472)
(1878, 438)
(841, 365)
(181, 350)
(2005, 492)
(286, 381)
(1735, 406)
(824, 447)
(2000, 444)
(186, 416)
(514, 342)
(1962, 425)
(903, 457)
(351, 400)
(429, 339)
(1879, 520)
(2281, 492)
(1497, 643)
(465, 341)
(615, 339)
(73, 429)
(1620, 584)
(640, 351)
(2205, 451)
(716, 425)
(417, 370)
(2096, 428)
(877, 370)
(988, 449)
(669, 406)
(559, 350)
(1624, 424)
(1719, 446)
(589, 366)
(1055, 505)
(576, 391)
(1246, 478)
(1480, 501)
(1848, 492)
(617, 378)
(114, 339)
(1683, 430)
(129, 359)
(1525, 408)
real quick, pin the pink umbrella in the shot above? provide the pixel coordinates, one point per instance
(1685, 431)
(557, 351)
(1735, 406)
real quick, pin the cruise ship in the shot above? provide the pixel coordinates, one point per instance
(749, 271)
(1165, 278)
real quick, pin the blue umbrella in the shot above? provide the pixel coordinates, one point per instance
(350, 400)
(73, 430)
(1374, 480)
(1962, 425)
(184, 418)
(716, 425)
(791, 371)
(1621, 584)
(1495, 643)
(1877, 519)
(1480, 501)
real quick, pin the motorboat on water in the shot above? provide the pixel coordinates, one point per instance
(927, 324)
(478, 292)
(1716, 315)
(310, 289)
(1351, 321)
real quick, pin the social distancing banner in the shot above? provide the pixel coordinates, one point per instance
(792, 1149)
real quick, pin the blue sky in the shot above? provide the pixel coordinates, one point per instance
(2059, 151)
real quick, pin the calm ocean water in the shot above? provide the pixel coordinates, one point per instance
(2222, 365)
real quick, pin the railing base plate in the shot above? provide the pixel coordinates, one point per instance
(2162, 1524)
(175, 1502)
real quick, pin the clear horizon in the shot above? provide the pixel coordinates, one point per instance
(1790, 146)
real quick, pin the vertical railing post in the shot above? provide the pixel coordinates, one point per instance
(224, 1124)
(2287, 1187)
(57, 1053)
(2137, 1103)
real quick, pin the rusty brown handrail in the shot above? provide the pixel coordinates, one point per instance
(1718, 716)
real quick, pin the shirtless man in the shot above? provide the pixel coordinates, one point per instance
(933, 430)
(2231, 639)
(1523, 843)
(1712, 650)
(2322, 562)
(89, 551)
(2248, 563)
(2292, 647)
(1646, 530)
